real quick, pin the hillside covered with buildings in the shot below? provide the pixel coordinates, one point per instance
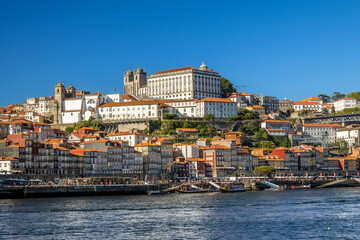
(179, 123)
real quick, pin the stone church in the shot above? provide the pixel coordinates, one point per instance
(133, 81)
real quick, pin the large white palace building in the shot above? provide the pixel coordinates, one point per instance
(181, 83)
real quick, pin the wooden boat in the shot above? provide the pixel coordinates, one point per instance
(152, 192)
(234, 188)
(192, 191)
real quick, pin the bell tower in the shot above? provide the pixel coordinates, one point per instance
(139, 80)
(128, 82)
(58, 102)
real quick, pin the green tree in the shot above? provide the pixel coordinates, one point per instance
(304, 112)
(172, 132)
(250, 128)
(350, 110)
(325, 111)
(265, 171)
(337, 96)
(249, 115)
(89, 123)
(290, 111)
(325, 98)
(236, 118)
(226, 87)
(281, 141)
(170, 115)
(355, 95)
(258, 135)
(209, 116)
(333, 109)
(269, 145)
(264, 135)
(69, 130)
(186, 125)
(253, 126)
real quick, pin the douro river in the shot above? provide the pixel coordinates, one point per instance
(303, 214)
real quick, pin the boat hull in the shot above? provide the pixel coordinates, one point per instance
(233, 190)
(192, 191)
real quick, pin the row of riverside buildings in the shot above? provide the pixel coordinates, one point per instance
(96, 153)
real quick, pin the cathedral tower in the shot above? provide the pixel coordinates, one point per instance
(133, 80)
(70, 92)
(58, 102)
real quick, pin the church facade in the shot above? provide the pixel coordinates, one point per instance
(133, 81)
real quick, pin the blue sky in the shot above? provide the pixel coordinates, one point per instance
(292, 49)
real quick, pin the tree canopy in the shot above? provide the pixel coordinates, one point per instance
(325, 98)
(354, 95)
(170, 115)
(226, 87)
(265, 170)
(209, 116)
(89, 123)
(337, 96)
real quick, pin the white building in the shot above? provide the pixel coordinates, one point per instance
(277, 124)
(189, 150)
(114, 97)
(81, 109)
(311, 104)
(184, 83)
(33, 117)
(133, 138)
(133, 110)
(344, 103)
(324, 133)
(184, 108)
(350, 134)
(219, 107)
(9, 165)
(278, 127)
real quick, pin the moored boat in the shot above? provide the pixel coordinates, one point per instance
(233, 188)
(152, 192)
(192, 191)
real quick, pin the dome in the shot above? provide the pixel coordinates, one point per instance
(59, 84)
(139, 70)
(203, 67)
(129, 72)
(71, 87)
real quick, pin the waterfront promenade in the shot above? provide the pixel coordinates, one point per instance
(35, 190)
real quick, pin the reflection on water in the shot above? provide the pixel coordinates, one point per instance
(308, 214)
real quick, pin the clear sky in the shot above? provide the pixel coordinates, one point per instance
(292, 49)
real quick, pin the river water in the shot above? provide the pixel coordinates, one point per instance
(302, 214)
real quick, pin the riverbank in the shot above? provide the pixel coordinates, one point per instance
(39, 191)
(77, 190)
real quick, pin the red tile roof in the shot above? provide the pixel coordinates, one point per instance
(277, 121)
(187, 129)
(149, 102)
(279, 130)
(216, 100)
(130, 97)
(311, 99)
(322, 125)
(182, 69)
(345, 99)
